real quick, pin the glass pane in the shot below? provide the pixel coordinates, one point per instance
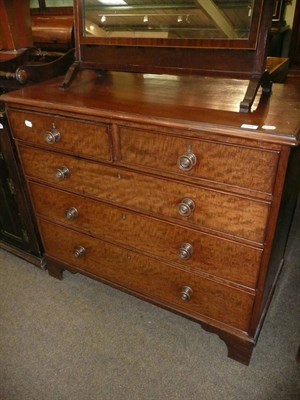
(168, 19)
(34, 3)
(59, 3)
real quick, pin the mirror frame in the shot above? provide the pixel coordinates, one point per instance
(233, 57)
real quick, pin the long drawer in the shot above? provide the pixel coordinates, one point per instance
(165, 240)
(75, 136)
(235, 165)
(146, 276)
(231, 214)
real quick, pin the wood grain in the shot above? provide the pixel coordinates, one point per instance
(235, 215)
(150, 235)
(78, 137)
(235, 165)
(15, 24)
(148, 276)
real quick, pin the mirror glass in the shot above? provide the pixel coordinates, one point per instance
(168, 19)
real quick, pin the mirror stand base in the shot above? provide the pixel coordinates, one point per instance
(70, 75)
(255, 82)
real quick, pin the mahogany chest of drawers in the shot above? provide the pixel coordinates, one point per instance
(157, 186)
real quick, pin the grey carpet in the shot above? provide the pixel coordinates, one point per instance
(78, 339)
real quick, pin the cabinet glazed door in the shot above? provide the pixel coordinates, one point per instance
(15, 221)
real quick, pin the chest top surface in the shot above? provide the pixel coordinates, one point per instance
(189, 102)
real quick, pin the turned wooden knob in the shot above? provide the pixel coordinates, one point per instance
(187, 161)
(186, 293)
(186, 207)
(185, 251)
(52, 136)
(79, 252)
(62, 173)
(71, 213)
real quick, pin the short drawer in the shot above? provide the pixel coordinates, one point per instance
(246, 167)
(155, 280)
(231, 214)
(64, 134)
(188, 247)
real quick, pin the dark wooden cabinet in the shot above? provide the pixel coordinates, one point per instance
(18, 233)
(18, 67)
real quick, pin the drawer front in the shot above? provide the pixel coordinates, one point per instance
(64, 134)
(234, 165)
(235, 215)
(141, 274)
(216, 256)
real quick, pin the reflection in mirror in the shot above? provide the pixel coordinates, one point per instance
(168, 19)
(50, 3)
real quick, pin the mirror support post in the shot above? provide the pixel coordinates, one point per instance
(255, 82)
